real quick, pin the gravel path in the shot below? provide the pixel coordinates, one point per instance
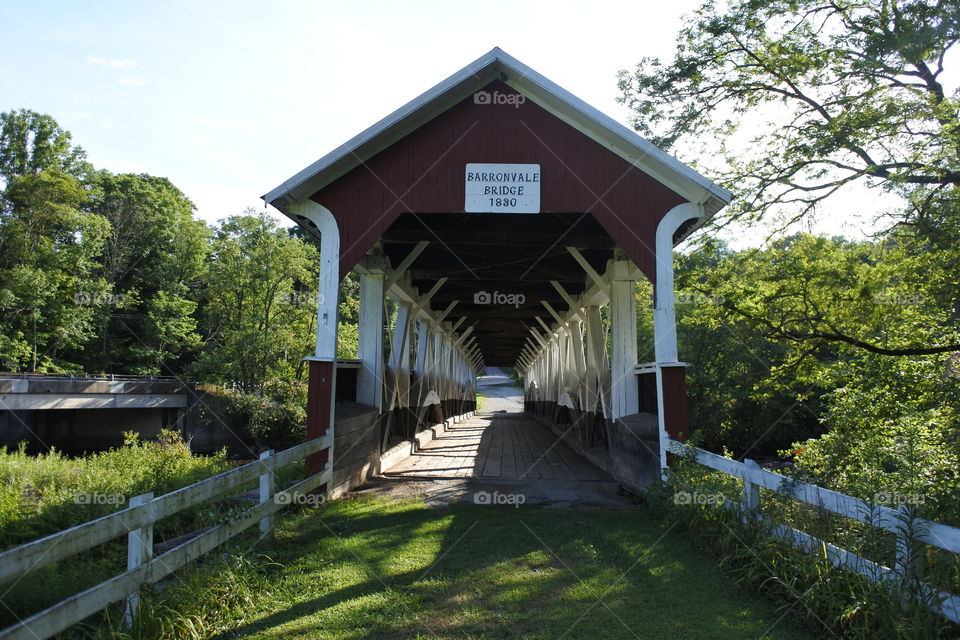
(500, 393)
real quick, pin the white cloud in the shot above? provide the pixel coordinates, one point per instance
(132, 82)
(118, 65)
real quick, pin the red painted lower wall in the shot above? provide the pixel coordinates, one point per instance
(675, 402)
(319, 397)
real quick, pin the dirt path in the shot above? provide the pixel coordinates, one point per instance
(500, 393)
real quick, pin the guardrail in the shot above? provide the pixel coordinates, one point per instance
(109, 377)
(908, 527)
(136, 521)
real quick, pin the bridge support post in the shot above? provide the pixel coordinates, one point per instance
(423, 369)
(323, 364)
(671, 374)
(597, 368)
(370, 344)
(400, 367)
(623, 318)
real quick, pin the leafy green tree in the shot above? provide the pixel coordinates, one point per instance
(800, 99)
(32, 142)
(825, 342)
(829, 93)
(259, 318)
(258, 321)
(49, 291)
(750, 392)
(893, 432)
(154, 260)
(887, 299)
(348, 333)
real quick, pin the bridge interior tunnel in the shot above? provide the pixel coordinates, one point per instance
(502, 272)
(530, 289)
(551, 295)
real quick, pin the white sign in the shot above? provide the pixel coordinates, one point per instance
(502, 188)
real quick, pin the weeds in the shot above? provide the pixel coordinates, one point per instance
(831, 601)
(43, 494)
(199, 602)
(40, 495)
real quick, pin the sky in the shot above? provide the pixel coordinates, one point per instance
(228, 99)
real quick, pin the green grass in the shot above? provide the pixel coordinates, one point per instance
(372, 568)
(39, 494)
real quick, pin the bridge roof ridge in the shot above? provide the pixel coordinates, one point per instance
(493, 65)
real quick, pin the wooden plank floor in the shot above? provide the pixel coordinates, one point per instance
(506, 446)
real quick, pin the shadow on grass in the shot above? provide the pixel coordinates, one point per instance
(372, 568)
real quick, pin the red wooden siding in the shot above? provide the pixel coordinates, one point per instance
(424, 173)
(675, 402)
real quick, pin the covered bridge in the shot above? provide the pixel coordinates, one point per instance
(500, 213)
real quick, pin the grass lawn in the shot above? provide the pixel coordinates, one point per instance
(374, 568)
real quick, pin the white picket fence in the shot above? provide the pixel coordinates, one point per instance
(909, 529)
(136, 521)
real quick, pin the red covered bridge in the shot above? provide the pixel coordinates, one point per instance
(500, 213)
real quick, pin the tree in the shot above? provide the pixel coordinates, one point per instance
(831, 93)
(31, 142)
(49, 245)
(752, 393)
(258, 305)
(867, 414)
(888, 299)
(154, 258)
(48, 256)
(258, 320)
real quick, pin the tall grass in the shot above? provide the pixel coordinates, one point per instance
(43, 494)
(832, 602)
(40, 495)
(220, 594)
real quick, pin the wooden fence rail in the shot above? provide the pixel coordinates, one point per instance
(909, 528)
(136, 522)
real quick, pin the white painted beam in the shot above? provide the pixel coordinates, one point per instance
(545, 326)
(329, 285)
(401, 268)
(588, 269)
(370, 343)
(664, 313)
(553, 312)
(574, 305)
(623, 317)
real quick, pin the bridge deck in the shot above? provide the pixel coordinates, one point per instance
(507, 446)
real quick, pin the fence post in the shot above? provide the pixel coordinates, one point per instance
(139, 551)
(267, 482)
(751, 491)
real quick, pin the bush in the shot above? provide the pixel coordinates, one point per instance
(276, 415)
